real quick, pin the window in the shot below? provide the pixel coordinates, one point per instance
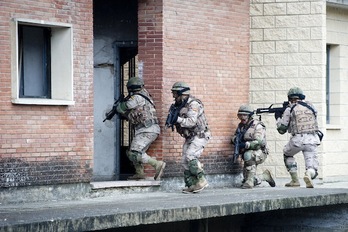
(34, 63)
(42, 57)
(333, 84)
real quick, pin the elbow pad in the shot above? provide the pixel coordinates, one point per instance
(122, 108)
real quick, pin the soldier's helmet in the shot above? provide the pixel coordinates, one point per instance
(245, 110)
(181, 88)
(296, 92)
(135, 84)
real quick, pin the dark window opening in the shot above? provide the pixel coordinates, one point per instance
(34, 61)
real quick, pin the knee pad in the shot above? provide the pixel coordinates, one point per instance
(195, 167)
(290, 163)
(134, 156)
(248, 158)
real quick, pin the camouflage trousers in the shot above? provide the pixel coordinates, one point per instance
(141, 143)
(193, 149)
(307, 143)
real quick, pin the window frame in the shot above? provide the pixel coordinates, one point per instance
(61, 81)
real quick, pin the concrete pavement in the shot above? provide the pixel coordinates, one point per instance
(131, 209)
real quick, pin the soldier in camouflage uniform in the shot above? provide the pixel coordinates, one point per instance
(139, 109)
(193, 126)
(300, 120)
(253, 147)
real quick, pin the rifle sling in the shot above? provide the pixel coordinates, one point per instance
(305, 105)
(148, 99)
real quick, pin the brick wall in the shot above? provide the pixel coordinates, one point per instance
(206, 44)
(47, 144)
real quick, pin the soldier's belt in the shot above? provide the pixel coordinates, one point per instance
(147, 123)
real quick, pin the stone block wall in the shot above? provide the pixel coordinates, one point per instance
(287, 42)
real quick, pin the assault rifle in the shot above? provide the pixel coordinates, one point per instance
(271, 109)
(109, 115)
(237, 141)
(173, 114)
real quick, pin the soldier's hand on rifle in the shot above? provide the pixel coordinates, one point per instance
(277, 115)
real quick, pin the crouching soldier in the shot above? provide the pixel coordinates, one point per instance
(252, 146)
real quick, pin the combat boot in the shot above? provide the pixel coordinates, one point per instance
(294, 180)
(139, 173)
(308, 178)
(158, 166)
(249, 182)
(188, 189)
(267, 176)
(201, 184)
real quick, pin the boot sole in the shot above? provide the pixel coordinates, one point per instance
(199, 190)
(271, 181)
(308, 182)
(187, 192)
(160, 173)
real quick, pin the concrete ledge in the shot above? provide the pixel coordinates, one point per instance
(160, 207)
(122, 184)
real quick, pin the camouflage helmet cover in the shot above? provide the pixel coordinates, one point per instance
(135, 83)
(296, 92)
(246, 110)
(181, 88)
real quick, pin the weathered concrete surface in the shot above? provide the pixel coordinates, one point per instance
(160, 207)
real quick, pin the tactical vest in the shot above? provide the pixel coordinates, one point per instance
(201, 125)
(143, 115)
(250, 133)
(302, 120)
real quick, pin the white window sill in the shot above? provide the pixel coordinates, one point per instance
(38, 101)
(333, 127)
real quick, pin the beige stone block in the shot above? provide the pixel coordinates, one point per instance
(318, 7)
(274, 9)
(287, 71)
(311, 46)
(256, 84)
(275, 59)
(286, 46)
(262, 1)
(262, 22)
(299, 33)
(263, 47)
(256, 59)
(298, 8)
(311, 20)
(311, 71)
(275, 34)
(286, 21)
(256, 35)
(299, 58)
(258, 97)
(262, 72)
(318, 58)
(317, 33)
(256, 9)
